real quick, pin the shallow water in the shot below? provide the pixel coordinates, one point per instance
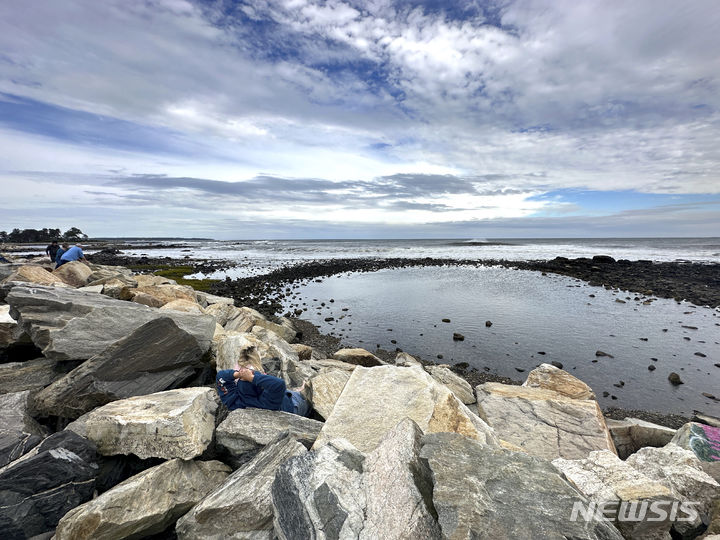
(530, 314)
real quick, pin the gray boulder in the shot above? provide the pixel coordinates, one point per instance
(144, 504)
(19, 432)
(156, 356)
(336, 492)
(485, 492)
(245, 431)
(173, 424)
(39, 488)
(359, 357)
(455, 383)
(245, 496)
(30, 375)
(632, 434)
(67, 324)
(325, 389)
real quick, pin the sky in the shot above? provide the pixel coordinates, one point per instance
(361, 119)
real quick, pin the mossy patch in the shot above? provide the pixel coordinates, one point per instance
(177, 273)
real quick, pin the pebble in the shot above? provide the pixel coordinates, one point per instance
(675, 379)
(488, 323)
(701, 355)
(651, 368)
(458, 337)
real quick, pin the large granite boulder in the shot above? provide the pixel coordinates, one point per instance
(613, 485)
(359, 357)
(39, 488)
(173, 424)
(185, 306)
(682, 473)
(292, 370)
(19, 432)
(36, 275)
(336, 492)
(67, 324)
(228, 347)
(245, 496)
(154, 357)
(544, 423)
(319, 494)
(245, 431)
(376, 399)
(146, 504)
(455, 383)
(484, 492)
(74, 273)
(552, 378)
(29, 375)
(325, 389)
(703, 441)
(206, 299)
(632, 434)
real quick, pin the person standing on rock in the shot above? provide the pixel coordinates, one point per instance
(247, 387)
(52, 250)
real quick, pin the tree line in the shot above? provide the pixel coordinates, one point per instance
(73, 234)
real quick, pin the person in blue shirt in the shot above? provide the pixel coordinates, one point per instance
(75, 253)
(245, 387)
(63, 248)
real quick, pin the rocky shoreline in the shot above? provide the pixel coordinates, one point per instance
(112, 428)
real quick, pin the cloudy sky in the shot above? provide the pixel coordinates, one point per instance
(349, 118)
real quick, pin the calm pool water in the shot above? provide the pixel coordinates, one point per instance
(531, 314)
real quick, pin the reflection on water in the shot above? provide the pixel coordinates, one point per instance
(534, 319)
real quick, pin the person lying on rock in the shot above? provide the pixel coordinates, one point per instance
(249, 387)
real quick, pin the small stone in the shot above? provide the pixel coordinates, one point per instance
(701, 355)
(602, 353)
(488, 323)
(651, 368)
(674, 378)
(458, 337)
(446, 320)
(557, 364)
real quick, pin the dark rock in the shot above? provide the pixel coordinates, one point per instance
(458, 337)
(155, 357)
(651, 368)
(56, 476)
(485, 492)
(19, 432)
(601, 353)
(488, 324)
(30, 375)
(701, 355)
(446, 320)
(557, 364)
(674, 378)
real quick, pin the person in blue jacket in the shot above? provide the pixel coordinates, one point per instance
(245, 387)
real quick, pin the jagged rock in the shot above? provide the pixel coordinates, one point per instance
(155, 357)
(607, 480)
(319, 494)
(161, 294)
(457, 385)
(145, 504)
(36, 275)
(304, 352)
(8, 326)
(245, 496)
(704, 442)
(243, 319)
(292, 370)
(183, 305)
(681, 471)
(632, 434)
(74, 273)
(229, 345)
(173, 424)
(542, 422)
(30, 375)
(485, 492)
(405, 360)
(112, 287)
(376, 399)
(245, 431)
(336, 492)
(19, 432)
(97, 289)
(40, 487)
(550, 377)
(67, 324)
(325, 389)
(151, 280)
(206, 299)
(328, 363)
(359, 357)
(223, 312)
